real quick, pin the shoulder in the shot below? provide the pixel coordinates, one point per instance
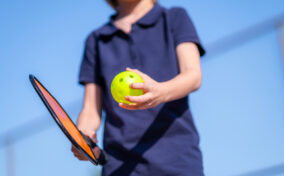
(98, 30)
(176, 12)
(103, 29)
(93, 35)
(177, 15)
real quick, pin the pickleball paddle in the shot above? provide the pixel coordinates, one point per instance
(83, 143)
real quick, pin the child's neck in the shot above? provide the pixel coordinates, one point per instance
(132, 11)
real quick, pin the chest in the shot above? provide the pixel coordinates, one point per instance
(149, 49)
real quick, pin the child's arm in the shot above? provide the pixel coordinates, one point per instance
(190, 76)
(90, 117)
(184, 83)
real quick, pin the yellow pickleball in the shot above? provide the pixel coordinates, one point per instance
(120, 86)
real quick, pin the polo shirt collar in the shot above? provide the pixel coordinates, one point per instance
(108, 29)
(149, 19)
(152, 16)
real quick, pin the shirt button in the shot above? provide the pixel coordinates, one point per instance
(133, 28)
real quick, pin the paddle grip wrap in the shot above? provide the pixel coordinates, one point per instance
(102, 160)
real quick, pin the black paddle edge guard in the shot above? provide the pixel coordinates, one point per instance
(102, 158)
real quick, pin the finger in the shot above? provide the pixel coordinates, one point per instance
(74, 150)
(77, 153)
(80, 156)
(141, 86)
(93, 137)
(128, 107)
(93, 134)
(139, 99)
(97, 152)
(82, 159)
(135, 107)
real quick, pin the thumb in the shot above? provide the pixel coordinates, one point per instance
(93, 136)
(97, 151)
(143, 75)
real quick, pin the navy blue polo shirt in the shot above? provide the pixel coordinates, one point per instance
(157, 141)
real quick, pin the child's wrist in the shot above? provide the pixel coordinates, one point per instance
(165, 94)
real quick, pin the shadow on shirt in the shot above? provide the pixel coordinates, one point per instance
(165, 118)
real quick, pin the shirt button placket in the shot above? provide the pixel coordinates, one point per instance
(133, 49)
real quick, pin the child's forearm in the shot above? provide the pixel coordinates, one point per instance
(89, 118)
(160, 92)
(181, 85)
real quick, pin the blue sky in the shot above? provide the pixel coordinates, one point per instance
(238, 110)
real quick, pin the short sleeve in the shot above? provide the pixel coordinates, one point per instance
(90, 70)
(183, 29)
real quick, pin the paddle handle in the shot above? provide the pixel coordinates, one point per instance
(102, 160)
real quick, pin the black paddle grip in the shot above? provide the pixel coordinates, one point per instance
(102, 160)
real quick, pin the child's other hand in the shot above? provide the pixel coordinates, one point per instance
(153, 93)
(78, 154)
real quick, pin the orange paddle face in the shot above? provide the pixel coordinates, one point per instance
(63, 120)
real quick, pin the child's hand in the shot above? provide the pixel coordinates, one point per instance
(153, 93)
(87, 123)
(78, 154)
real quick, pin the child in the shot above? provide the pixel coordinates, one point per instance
(155, 136)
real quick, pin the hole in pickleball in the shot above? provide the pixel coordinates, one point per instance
(131, 76)
(120, 92)
(121, 79)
